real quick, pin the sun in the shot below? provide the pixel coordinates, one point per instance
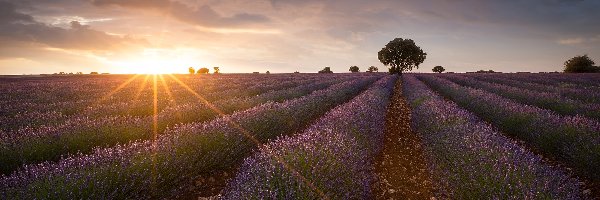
(149, 66)
(153, 61)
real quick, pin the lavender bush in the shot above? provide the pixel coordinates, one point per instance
(585, 94)
(572, 140)
(469, 159)
(333, 158)
(162, 167)
(546, 100)
(82, 134)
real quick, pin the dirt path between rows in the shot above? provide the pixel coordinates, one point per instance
(401, 169)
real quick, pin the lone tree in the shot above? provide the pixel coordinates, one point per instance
(401, 55)
(191, 70)
(580, 64)
(438, 69)
(216, 70)
(326, 70)
(372, 69)
(354, 69)
(203, 70)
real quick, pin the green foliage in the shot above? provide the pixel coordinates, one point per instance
(401, 55)
(438, 69)
(354, 69)
(581, 64)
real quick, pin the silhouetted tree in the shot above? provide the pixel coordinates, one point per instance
(438, 69)
(191, 70)
(372, 69)
(217, 71)
(203, 70)
(401, 55)
(296, 72)
(326, 70)
(580, 64)
(354, 69)
(268, 72)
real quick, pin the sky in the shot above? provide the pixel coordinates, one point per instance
(283, 36)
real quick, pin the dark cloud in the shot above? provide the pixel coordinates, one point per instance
(16, 28)
(202, 16)
(554, 17)
(8, 14)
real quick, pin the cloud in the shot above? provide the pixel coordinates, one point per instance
(201, 16)
(19, 30)
(8, 14)
(571, 41)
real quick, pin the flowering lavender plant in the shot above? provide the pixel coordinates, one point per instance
(469, 159)
(573, 140)
(164, 166)
(332, 158)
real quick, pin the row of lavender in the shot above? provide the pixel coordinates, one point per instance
(161, 167)
(567, 80)
(469, 158)
(577, 92)
(573, 140)
(333, 158)
(547, 100)
(82, 134)
(45, 104)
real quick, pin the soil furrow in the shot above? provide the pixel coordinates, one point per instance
(401, 168)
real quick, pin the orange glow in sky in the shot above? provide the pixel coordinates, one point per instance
(168, 36)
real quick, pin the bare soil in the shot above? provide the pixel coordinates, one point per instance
(401, 168)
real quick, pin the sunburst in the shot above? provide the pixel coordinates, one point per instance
(201, 100)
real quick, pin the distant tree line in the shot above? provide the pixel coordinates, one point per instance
(203, 70)
(353, 69)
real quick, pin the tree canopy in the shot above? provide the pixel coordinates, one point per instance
(438, 69)
(354, 69)
(372, 69)
(401, 55)
(580, 64)
(203, 70)
(216, 70)
(191, 70)
(326, 70)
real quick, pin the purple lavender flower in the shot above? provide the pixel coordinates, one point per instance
(468, 158)
(332, 158)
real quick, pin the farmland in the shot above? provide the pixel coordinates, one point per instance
(300, 136)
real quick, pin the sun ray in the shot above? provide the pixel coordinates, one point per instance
(250, 136)
(119, 87)
(172, 100)
(154, 130)
(141, 89)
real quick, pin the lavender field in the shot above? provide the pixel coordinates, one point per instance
(300, 136)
